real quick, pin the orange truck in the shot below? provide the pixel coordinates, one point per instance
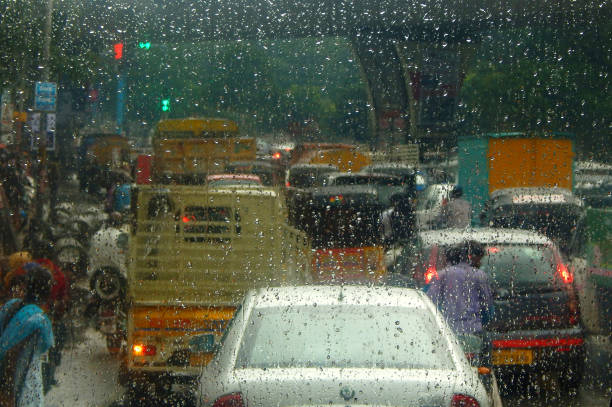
(346, 157)
(192, 147)
(494, 161)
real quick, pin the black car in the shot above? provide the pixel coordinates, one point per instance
(536, 325)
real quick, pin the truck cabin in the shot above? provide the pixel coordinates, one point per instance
(554, 212)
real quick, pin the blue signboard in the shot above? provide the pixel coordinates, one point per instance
(45, 96)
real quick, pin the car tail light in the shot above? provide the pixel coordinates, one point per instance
(229, 400)
(287, 184)
(430, 274)
(276, 155)
(566, 275)
(144, 350)
(461, 400)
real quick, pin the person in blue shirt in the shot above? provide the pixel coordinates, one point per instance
(26, 330)
(462, 291)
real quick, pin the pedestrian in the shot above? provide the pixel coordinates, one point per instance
(56, 308)
(13, 279)
(25, 336)
(462, 290)
(457, 212)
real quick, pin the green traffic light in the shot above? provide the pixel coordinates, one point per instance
(145, 45)
(165, 105)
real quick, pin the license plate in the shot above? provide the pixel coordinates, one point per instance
(512, 357)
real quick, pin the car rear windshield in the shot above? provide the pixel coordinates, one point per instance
(343, 337)
(555, 221)
(308, 177)
(342, 226)
(520, 265)
(379, 181)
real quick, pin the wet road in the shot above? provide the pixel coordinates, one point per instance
(88, 377)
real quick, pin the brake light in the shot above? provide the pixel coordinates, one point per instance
(430, 274)
(144, 350)
(276, 155)
(336, 199)
(566, 276)
(229, 400)
(187, 219)
(537, 343)
(461, 400)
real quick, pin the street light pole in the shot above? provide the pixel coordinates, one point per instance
(47, 41)
(36, 221)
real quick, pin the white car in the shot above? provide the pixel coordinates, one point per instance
(338, 346)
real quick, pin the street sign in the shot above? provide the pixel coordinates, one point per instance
(50, 131)
(50, 121)
(34, 122)
(45, 96)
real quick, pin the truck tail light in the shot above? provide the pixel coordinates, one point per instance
(144, 350)
(229, 400)
(461, 400)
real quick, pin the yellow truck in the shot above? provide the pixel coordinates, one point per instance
(346, 157)
(194, 252)
(192, 147)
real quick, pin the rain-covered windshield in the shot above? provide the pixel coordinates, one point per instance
(161, 159)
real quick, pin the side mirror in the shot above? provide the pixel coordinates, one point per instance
(202, 343)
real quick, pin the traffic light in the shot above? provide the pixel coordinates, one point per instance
(144, 45)
(165, 105)
(118, 49)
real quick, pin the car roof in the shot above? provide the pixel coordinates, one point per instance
(345, 189)
(451, 237)
(389, 165)
(316, 295)
(371, 175)
(312, 166)
(217, 177)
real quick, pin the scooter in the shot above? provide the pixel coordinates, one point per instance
(111, 322)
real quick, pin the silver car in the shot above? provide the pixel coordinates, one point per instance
(339, 346)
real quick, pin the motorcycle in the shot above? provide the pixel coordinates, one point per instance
(111, 322)
(107, 270)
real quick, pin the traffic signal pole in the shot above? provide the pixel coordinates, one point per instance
(121, 86)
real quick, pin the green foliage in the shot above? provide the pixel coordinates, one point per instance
(264, 85)
(552, 79)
